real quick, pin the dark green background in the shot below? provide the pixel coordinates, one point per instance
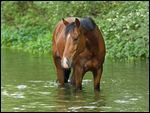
(29, 25)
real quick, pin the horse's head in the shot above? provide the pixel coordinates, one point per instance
(75, 42)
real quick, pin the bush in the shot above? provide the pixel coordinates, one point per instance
(29, 25)
(126, 30)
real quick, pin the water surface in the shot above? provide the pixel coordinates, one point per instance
(28, 84)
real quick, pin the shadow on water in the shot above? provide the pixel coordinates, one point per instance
(29, 84)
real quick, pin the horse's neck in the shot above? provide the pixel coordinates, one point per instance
(92, 44)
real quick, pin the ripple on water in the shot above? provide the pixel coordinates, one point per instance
(27, 106)
(94, 103)
(5, 93)
(86, 81)
(22, 87)
(18, 109)
(133, 99)
(44, 93)
(121, 101)
(17, 95)
(50, 84)
(75, 108)
(90, 107)
(36, 81)
(13, 95)
(106, 107)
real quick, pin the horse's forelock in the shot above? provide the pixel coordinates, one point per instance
(69, 28)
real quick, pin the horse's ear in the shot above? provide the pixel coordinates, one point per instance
(65, 22)
(77, 22)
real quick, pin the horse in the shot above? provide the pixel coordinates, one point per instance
(78, 45)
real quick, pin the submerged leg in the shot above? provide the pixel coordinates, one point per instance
(60, 71)
(78, 76)
(97, 77)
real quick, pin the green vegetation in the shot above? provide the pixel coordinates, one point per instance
(29, 25)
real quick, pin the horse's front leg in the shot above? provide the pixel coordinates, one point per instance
(97, 77)
(60, 71)
(78, 76)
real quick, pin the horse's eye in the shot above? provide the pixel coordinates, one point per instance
(75, 39)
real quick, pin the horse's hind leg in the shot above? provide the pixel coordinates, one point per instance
(66, 74)
(97, 77)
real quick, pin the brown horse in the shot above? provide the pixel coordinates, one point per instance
(78, 44)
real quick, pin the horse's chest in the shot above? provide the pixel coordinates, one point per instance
(88, 61)
(91, 64)
(88, 64)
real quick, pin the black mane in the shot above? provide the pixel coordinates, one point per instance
(87, 23)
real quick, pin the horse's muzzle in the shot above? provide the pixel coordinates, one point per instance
(66, 63)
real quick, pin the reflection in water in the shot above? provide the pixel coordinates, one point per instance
(28, 84)
(66, 99)
(78, 100)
